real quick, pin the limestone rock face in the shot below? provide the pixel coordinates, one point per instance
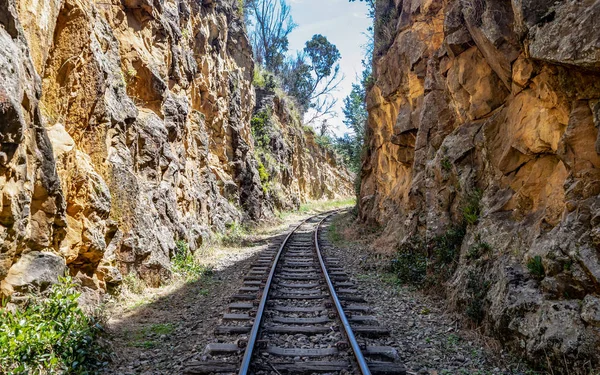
(124, 127)
(501, 98)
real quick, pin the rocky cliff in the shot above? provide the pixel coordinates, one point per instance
(124, 127)
(487, 113)
(291, 158)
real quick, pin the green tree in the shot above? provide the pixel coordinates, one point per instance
(355, 118)
(313, 75)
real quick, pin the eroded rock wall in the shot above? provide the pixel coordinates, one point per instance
(124, 127)
(498, 99)
(299, 169)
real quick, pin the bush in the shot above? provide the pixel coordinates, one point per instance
(185, 263)
(410, 263)
(472, 207)
(429, 263)
(536, 267)
(410, 268)
(477, 249)
(51, 334)
(259, 125)
(264, 176)
(446, 247)
(477, 288)
(264, 80)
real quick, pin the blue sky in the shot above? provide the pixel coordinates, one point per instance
(344, 24)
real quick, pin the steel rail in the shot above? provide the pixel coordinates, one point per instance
(245, 366)
(362, 363)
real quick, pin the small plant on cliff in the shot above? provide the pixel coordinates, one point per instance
(259, 125)
(264, 80)
(536, 267)
(50, 334)
(477, 289)
(446, 164)
(477, 249)
(472, 207)
(263, 174)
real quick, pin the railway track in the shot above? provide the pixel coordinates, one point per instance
(298, 313)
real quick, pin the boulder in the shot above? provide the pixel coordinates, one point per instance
(34, 270)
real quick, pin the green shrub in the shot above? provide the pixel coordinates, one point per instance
(428, 263)
(446, 164)
(477, 249)
(446, 247)
(410, 263)
(264, 175)
(264, 80)
(536, 267)
(410, 268)
(477, 289)
(50, 335)
(184, 263)
(472, 207)
(260, 125)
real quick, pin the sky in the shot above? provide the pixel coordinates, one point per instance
(344, 24)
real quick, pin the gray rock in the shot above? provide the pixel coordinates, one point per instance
(590, 311)
(569, 36)
(34, 270)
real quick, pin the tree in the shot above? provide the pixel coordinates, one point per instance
(312, 76)
(355, 113)
(269, 32)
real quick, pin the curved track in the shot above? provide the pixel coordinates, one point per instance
(306, 317)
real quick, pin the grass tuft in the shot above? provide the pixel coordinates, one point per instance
(472, 207)
(536, 267)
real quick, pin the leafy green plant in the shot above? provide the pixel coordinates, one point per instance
(259, 125)
(477, 249)
(264, 176)
(446, 247)
(446, 164)
(477, 289)
(428, 263)
(50, 334)
(536, 267)
(264, 80)
(410, 263)
(184, 262)
(472, 207)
